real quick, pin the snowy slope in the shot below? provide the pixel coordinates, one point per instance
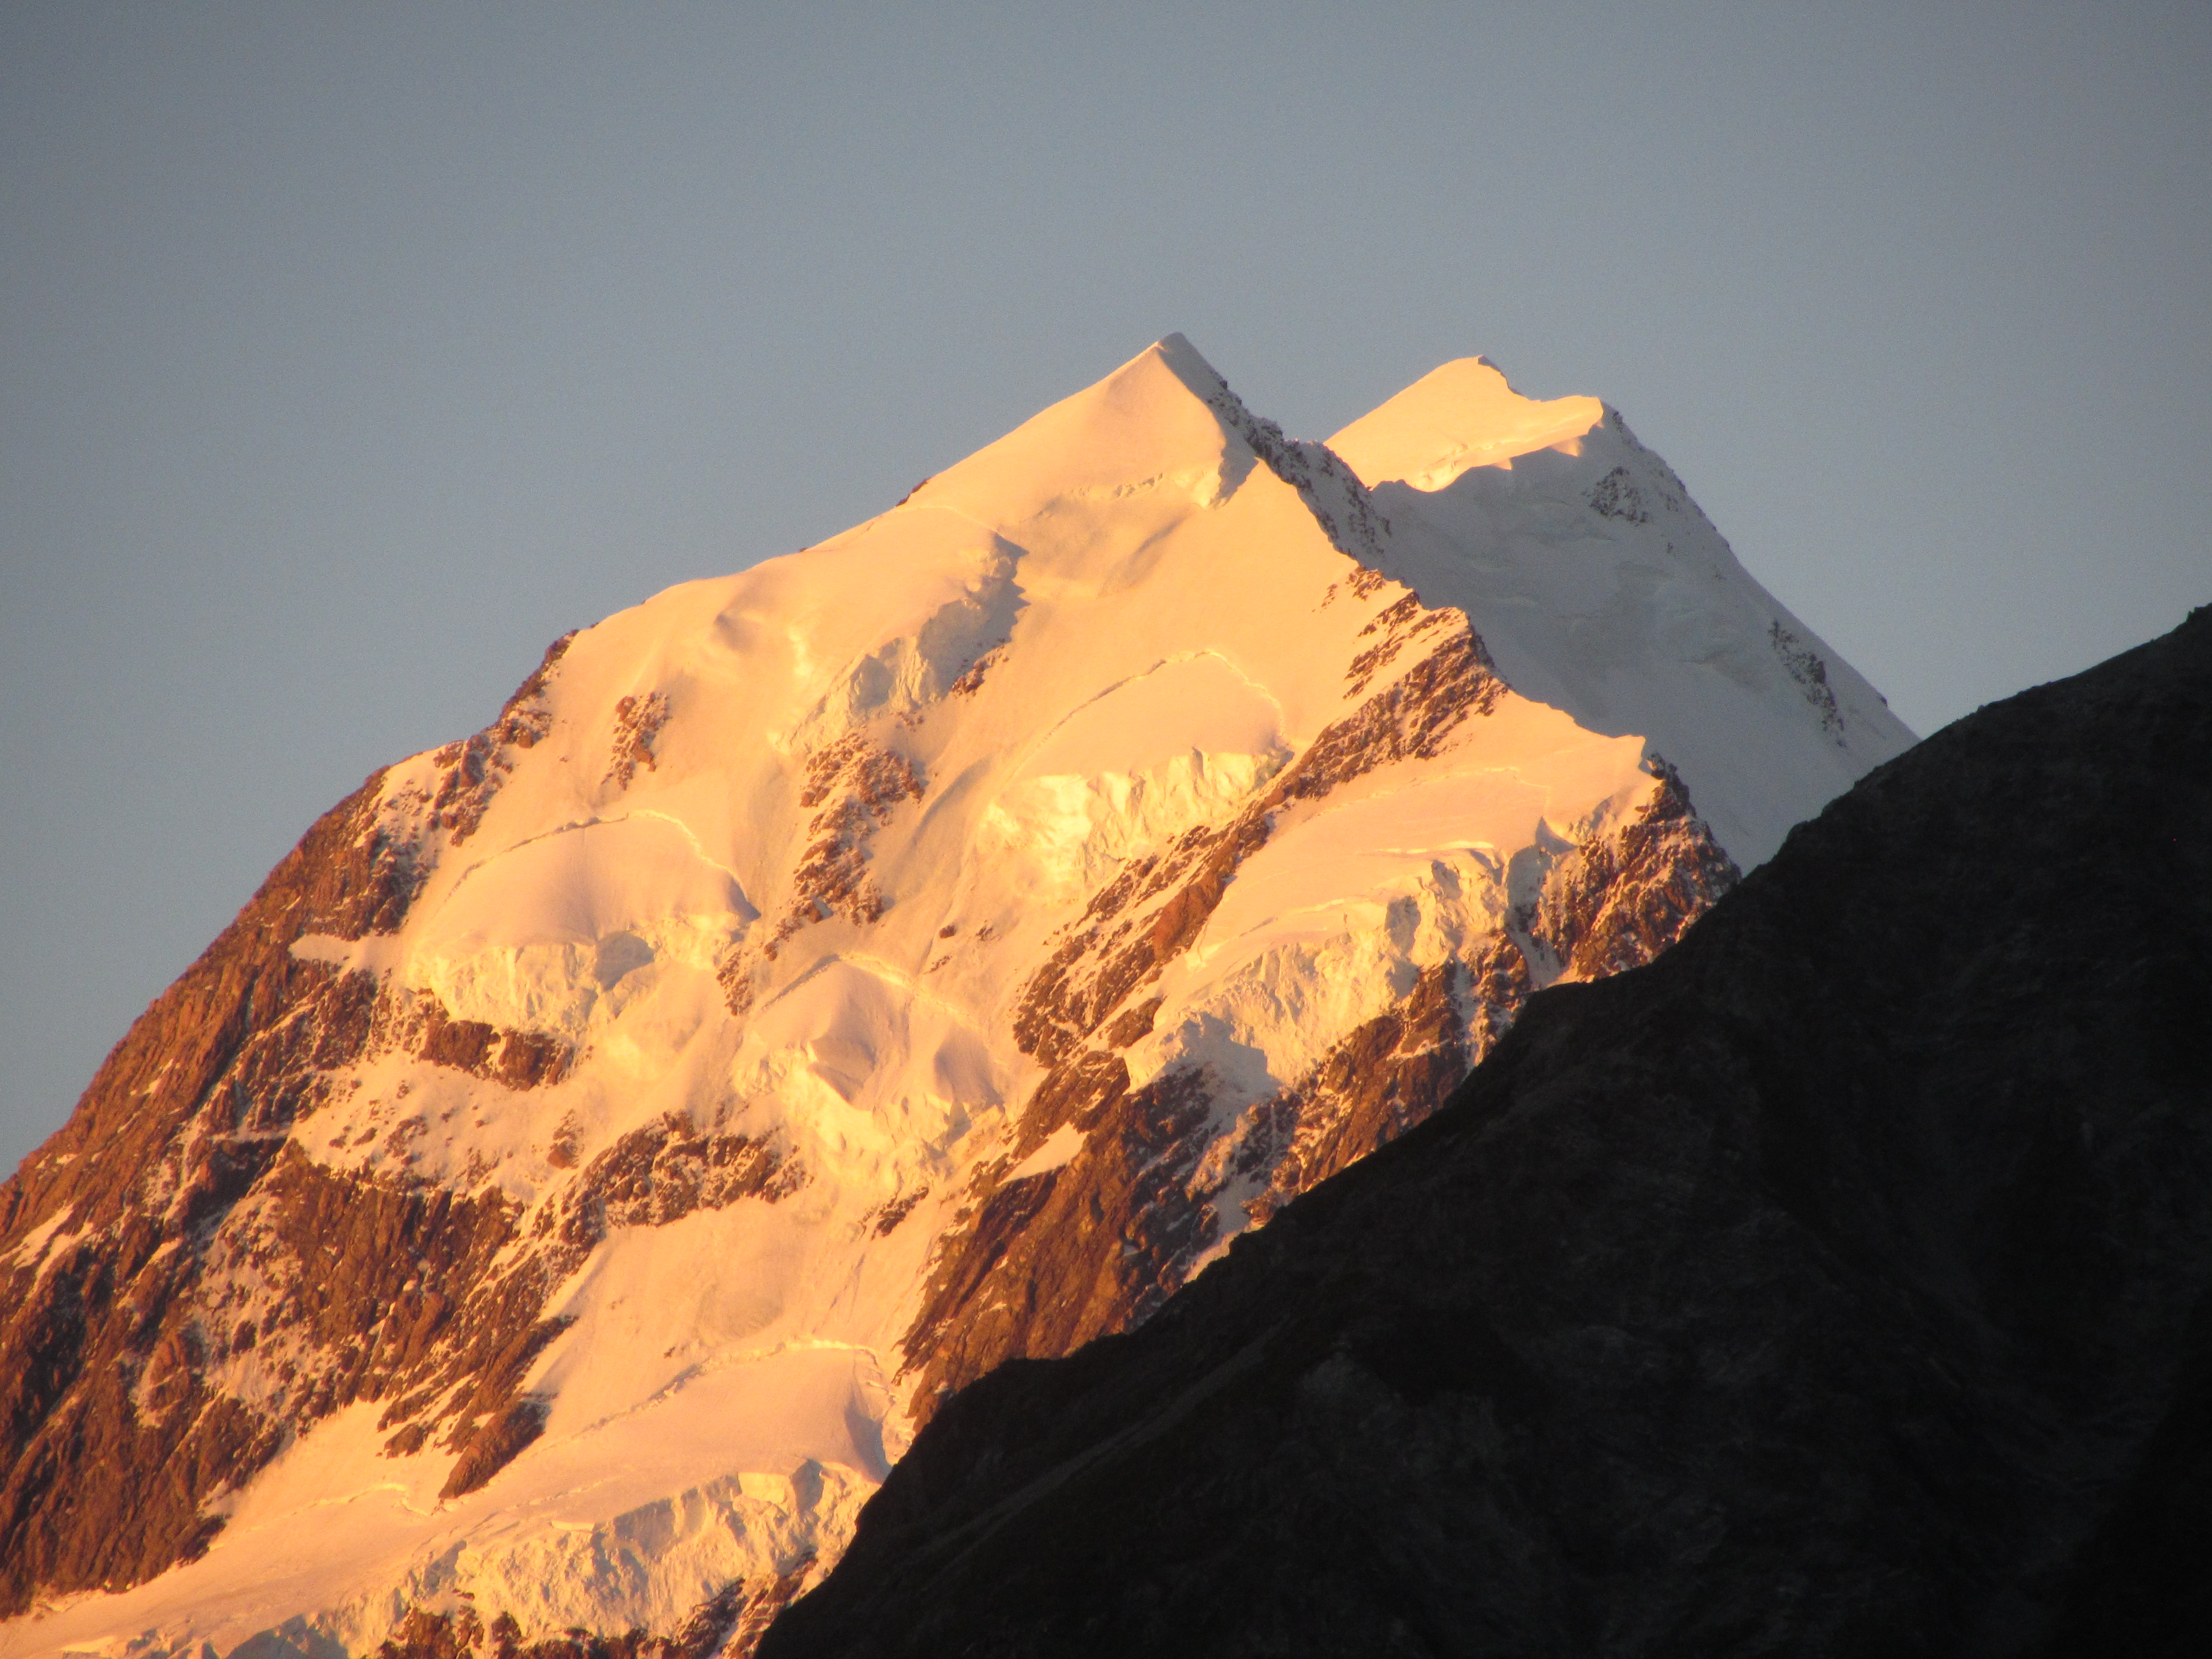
(825, 981)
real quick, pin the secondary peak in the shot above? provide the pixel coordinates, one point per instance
(1460, 415)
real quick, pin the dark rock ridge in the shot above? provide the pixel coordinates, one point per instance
(1839, 1284)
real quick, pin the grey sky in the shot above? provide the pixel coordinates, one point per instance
(348, 355)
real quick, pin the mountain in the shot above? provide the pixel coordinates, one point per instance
(553, 1203)
(1840, 1283)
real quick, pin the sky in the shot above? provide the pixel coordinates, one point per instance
(350, 355)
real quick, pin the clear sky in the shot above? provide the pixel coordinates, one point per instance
(348, 355)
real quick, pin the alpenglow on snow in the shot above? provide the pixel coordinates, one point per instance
(555, 1201)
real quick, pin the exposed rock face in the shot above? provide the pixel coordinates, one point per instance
(186, 1239)
(605, 1139)
(1838, 1284)
(101, 1361)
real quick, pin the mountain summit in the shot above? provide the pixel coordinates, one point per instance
(553, 1203)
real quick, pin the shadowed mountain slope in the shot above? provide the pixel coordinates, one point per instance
(1835, 1284)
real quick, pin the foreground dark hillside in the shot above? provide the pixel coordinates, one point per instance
(1837, 1285)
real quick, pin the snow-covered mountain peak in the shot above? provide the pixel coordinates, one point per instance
(597, 1145)
(1163, 422)
(1460, 415)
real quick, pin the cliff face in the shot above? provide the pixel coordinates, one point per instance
(1838, 1283)
(176, 1196)
(605, 1137)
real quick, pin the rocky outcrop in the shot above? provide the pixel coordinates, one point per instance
(472, 771)
(638, 721)
(853, 787)
(1837, 1284)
